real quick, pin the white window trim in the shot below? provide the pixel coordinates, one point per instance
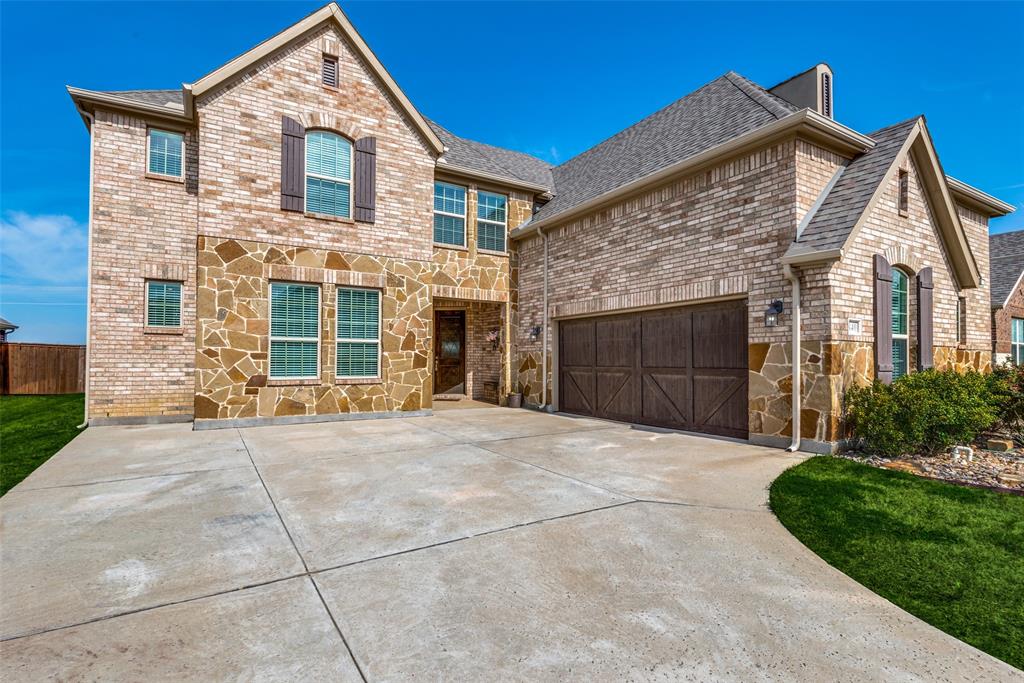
(339, 340)
(1016, 345)
(905, 337)
(273, 338)
(149, 139)
(503, 224)
(145, 304)
(306, 174)
(465, 209)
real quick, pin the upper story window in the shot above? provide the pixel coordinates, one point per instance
(491, 221)
(449, 214)
(329, 71)
(294, 331)
(1017, 340)
(163, 304)
(328, 174)
(358, 333)
(900, 320)
(166, 151)
(904, 190)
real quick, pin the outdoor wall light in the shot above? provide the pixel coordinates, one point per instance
(771, 314)
(535, 333)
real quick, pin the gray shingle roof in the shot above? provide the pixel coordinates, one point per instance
(7, 326)
(723, 109)
(169, 99)
(1006, 262)
(837, 215)
(505, 163)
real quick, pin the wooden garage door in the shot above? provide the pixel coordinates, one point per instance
(684, 368)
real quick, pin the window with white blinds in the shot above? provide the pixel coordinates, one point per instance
(358, 333)
(328, 174)
(166, 150)
(900, 323)
(294, 331)
(491, 221)
(163, 304)
(449, 214)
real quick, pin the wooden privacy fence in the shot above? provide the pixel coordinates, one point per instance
(42, 368)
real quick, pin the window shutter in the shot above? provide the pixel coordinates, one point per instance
(366, 180)
(883, 319)
(293, 159)
(924, 319)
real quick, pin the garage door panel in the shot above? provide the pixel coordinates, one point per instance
(716, 330)
(665, 339)
(577, 343)
(616, 394)
(617, 347)
(666, 400)
(577, 391)
(683, 367)
(722, 401)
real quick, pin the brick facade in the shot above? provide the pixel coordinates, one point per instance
(1001, 319)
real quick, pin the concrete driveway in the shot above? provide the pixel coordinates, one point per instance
(483, 544)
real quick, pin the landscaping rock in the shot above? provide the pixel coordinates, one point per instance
(1000, 445)
(1004, 470)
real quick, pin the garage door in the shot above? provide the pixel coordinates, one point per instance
(684, 368)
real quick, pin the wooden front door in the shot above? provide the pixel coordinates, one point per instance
(450, 352)
(684, 368)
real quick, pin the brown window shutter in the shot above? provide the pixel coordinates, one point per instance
(293, 165)
(925, 334)
(883, 319)
(366, 180)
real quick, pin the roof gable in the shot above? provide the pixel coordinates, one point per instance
(848, 205)
(328, 13)
(1005, 265)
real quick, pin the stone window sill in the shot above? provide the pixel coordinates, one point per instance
(904, 214)
(453, 247)
(491, 252)
(357, 380)
(293, 382)
(165, 178)
(328, 217)
(164, 330)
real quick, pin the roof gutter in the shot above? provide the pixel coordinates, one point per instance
(81, 97)
(977, 199)
(482, 175)
(805, 120)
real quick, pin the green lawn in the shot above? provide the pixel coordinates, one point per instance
(32, 428)
(951, 555)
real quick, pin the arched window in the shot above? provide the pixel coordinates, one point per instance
(900, 321)
(328, 174)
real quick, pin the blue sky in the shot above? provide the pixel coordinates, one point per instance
(548, 79)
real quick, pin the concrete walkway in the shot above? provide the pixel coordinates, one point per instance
(470, 545)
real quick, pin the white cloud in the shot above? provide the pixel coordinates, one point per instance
(42, 249)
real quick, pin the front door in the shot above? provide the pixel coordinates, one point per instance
(450, 352)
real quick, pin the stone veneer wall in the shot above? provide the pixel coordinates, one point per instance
(232, 340)
(142, 227)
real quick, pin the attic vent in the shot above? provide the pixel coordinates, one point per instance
(826, 95)
(904, 192)
(330, 71)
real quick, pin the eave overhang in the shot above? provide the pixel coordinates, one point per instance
(89, 100)
(977, 200)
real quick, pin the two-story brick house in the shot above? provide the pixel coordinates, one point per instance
(288, 238)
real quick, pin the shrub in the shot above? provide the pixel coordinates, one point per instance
(923, 412)
(1007, 386)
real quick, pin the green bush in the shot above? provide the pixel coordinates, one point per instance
(1007, 385)
(923, 412)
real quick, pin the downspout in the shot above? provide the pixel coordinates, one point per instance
(88, 264)
(544, 332)
(794, 280)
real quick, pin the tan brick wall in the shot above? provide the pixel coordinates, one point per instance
(240, 156)
(912, 242)
(141, 227)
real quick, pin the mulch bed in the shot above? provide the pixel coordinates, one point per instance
(1002, 471)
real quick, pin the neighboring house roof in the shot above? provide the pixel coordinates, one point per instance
(1005, 265)
(478, 158)
(849, 197)
(7, 326)
(725, 108)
